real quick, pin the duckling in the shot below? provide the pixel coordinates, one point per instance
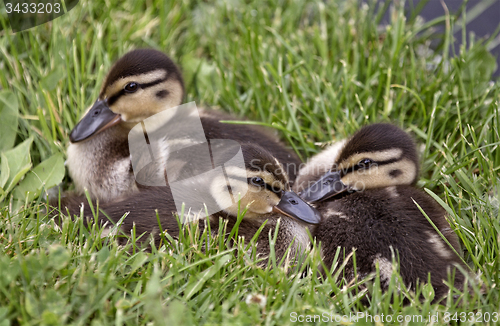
(141, 84)
(368, 202)
(262, 187)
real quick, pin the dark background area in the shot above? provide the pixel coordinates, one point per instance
(483, 25)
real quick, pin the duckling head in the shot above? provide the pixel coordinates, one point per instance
(262, 187)
(377, 156)
(140, 84)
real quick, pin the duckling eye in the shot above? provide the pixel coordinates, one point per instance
(257, 181)
(364, 163)
(131, 87)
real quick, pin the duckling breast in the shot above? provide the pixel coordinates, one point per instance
(101, 165)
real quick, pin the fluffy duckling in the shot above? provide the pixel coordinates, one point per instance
(141, 84)
(262, 186)
(366, 199)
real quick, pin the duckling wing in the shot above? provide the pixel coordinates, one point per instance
(214, 129)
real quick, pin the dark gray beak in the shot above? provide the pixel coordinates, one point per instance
(99, 118)
(293, 206)
(327, 186)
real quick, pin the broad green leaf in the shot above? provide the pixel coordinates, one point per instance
(4, 170)
(199, 69)
(4, 313)
(479, 65)
(17, 162)
(22, 171)
(58, 256)
(45, 175)
(16, 205)
(31, 305)
(50, 81)
(8, 119)
(178, 314)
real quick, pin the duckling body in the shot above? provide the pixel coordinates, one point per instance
(384, 224)
(367, 203)
(141, 84)
(142, 208)
(268, 198)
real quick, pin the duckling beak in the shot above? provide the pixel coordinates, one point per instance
(98, 118)
(330, 184)
(291, 205)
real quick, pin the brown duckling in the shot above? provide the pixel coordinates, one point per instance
(141, 84)
(261, 185)
(368, 201)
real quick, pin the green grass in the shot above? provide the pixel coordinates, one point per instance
(316, 72)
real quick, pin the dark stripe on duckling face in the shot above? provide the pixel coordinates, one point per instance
(378, 155)
(366, 164)
(260, 160)
(112, 99)
(259, 182)
(264, 175)
(162, 94)
(141, 61)
(395, 173)
(332, 184)
(380, 137)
